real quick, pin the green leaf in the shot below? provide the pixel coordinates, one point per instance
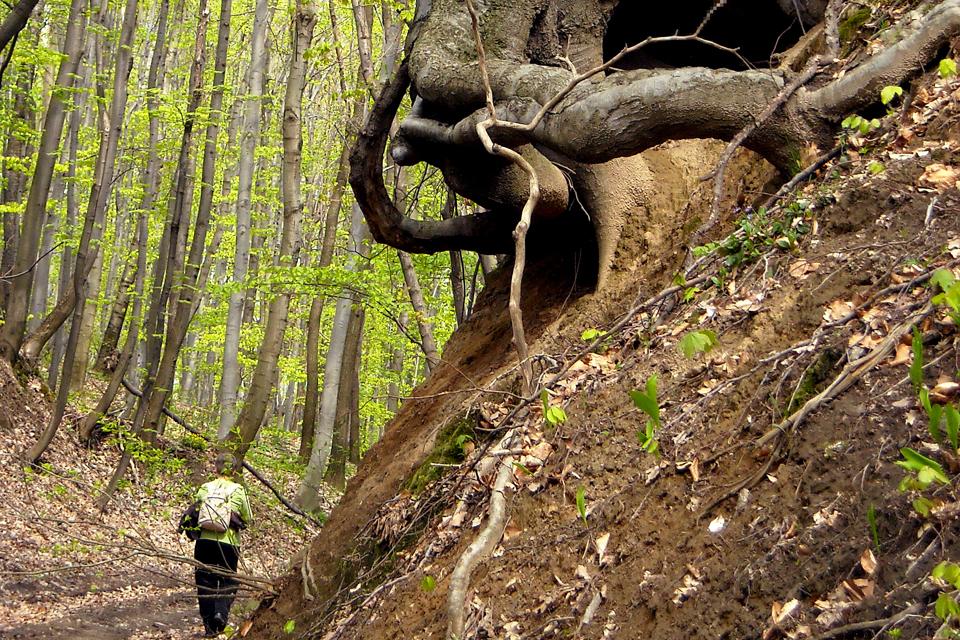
(695, 341)
(916, 368)
(922, 507)
(872, 519)
(953, 425)
(948, 68)
(289, 626)
(943, 279)
(875, 167)
(428, 584)
(943, 607)
(647, 402)
(523, 468)
(888, 93)
(589, 335)
(935, 414)
(916, 462)
(581, 506)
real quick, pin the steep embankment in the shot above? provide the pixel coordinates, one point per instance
(737, 518)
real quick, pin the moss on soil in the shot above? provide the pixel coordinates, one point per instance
(448, 451)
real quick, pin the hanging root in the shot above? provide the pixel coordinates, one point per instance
(481, 546)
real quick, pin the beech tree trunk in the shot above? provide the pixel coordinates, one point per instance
(258, 395)
(96, 208)
(249, 138)
(347, 420)
(18, 303)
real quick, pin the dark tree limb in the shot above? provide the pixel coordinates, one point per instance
(487, 232)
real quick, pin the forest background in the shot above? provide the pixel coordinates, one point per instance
(158, 161)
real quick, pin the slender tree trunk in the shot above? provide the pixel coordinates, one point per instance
(15, 147)
(249, 138)
(82, 358)
(308, 493)
(99, 193)
(133, 335)
(396, 368)
(330, 224)
(257, 397)
(456, 263)
(108, 354)
(421, 313)
(18, 304)
(348, 403)
(41, 280)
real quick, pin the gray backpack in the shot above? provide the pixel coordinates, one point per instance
(215, 509)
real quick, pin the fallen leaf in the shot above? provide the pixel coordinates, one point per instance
(868, 561)
(602, 543)
(512, 530)
(939, 177)
(718, 525)
(802, 269)
(904, 355)
(837, 309)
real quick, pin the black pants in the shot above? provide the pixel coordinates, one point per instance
(215, 592)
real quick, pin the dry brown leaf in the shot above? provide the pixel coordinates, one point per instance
(695, 469)
(802, 269)
(602, 543)
(939, 177)
(868, 561)
(837, 309)
(904, 355)
(512, 530)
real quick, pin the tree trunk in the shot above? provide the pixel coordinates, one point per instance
(250, 135)
(99, 193)
(330, 224)
(456, 263)
(308, 493)
(348, 403)
(79, 373)
(257, 397)
(106, 360)
(427, 342)
(120, 367)
(18, 304)
(15, 147)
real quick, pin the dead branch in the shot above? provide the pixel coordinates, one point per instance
(912, 610)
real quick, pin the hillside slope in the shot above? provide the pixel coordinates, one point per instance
(739, 529)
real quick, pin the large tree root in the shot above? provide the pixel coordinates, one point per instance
(481, 546)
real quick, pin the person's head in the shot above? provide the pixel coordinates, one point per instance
(225, 465)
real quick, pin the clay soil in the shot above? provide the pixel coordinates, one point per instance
(720, 535)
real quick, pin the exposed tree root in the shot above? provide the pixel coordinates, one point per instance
(884, 623)
(481, 546)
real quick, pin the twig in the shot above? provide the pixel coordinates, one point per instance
(35, 263)
(481, 546)
(803, 175)
(912, 610)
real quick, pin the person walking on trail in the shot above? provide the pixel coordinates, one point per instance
(223, 509)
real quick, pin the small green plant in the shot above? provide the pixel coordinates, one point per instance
(647, 402)
(888, 93)
(872, 519)
(894, 633)
(289, 626)
(581, 505)
(947, 606)
(591, 334)
(927, 471)
(695, 341)
(428, 584)
(948, 68)
(875, 167)
(857, 124)
(553, 415)
(916, 368)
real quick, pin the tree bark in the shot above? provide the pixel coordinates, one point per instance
(107, 355)
(15, 147)
(99, 193)
(456, 263)
(18, 304)
(422, 315)
(249, 138)
(347, 419)
(257, 397)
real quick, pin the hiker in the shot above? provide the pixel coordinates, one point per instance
(222, 510)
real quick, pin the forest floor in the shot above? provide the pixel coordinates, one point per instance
(68, 571)
(775, 507)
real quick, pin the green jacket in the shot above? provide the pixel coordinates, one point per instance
(239, 503)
